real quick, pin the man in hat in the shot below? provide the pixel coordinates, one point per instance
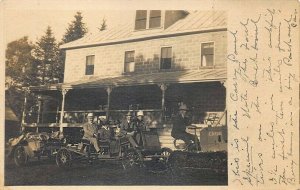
(179, 127)
(128, 129)
(140, 126)
(105, 132)
(91, 131)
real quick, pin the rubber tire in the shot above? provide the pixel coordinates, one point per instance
(64, 158)
(20, 156)
(132, 159)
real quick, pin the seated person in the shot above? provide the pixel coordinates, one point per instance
(105, 133)
(91, 131)
(179, 127)
(127, 129)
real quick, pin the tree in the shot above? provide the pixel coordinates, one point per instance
(20, 72)
(103, 25)
(76, 29)
(46, 53)
(20, 65)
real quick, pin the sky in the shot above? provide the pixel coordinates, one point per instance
(31, 17)
(33, 23)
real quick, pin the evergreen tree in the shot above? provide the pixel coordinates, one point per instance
(76, 29)
(103, 25)
(47, 55)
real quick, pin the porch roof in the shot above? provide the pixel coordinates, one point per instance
(189, 76)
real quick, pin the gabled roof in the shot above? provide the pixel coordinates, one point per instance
(195, 21)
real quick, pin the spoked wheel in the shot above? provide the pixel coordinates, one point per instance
(20, 156)
(179, 144)
(161, 164)
(132, 158)
(63, 158)
(166, 152)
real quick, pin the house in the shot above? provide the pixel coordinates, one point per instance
(153, 63)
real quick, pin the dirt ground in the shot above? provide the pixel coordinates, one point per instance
(45, 172)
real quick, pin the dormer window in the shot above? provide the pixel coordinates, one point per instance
(147, 19)
(155, 19)
(141, 19)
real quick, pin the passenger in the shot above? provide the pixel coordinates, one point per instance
(179, 127)
(91, 131)
(105, 133)
(127, 129)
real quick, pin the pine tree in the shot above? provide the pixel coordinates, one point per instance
(76, 29)
(103, 25)
(47, 55)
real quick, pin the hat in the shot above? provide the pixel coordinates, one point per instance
(140, 113)
(102, 117)
(183, 107)
(90, 115)
(128, 113)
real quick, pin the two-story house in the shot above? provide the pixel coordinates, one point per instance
(153, 63)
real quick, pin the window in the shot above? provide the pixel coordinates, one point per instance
(155, 19)
(147, 19)
(89, 69)
(207, 54)
(129, 62)
(166, 58)
(141, 19)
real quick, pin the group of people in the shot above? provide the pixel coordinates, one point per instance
(130, 128)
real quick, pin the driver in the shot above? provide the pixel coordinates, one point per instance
(179, 127)
(91, 131)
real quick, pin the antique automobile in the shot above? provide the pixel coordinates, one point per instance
(31, 144)
(211, 156)
(116, 149)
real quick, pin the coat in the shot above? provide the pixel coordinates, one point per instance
(126, 127)
(179, 125)
(90, 130)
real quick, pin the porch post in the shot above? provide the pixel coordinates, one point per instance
(62, 111)
(225, 114)
(163, 88)
(24, 110)
(39, 109)
(108, 90)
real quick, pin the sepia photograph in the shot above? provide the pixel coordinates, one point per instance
(115, 97)
(140, 94)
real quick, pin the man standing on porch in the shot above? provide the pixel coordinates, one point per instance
(91, 131)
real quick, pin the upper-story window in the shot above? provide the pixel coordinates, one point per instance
(155, 19)
(207, 54)
(166, 58)
(129, 63)
(146, 19)
(89, 67)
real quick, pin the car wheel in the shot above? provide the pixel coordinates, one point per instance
(20, 156)
(63, 158)
(132, 158)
